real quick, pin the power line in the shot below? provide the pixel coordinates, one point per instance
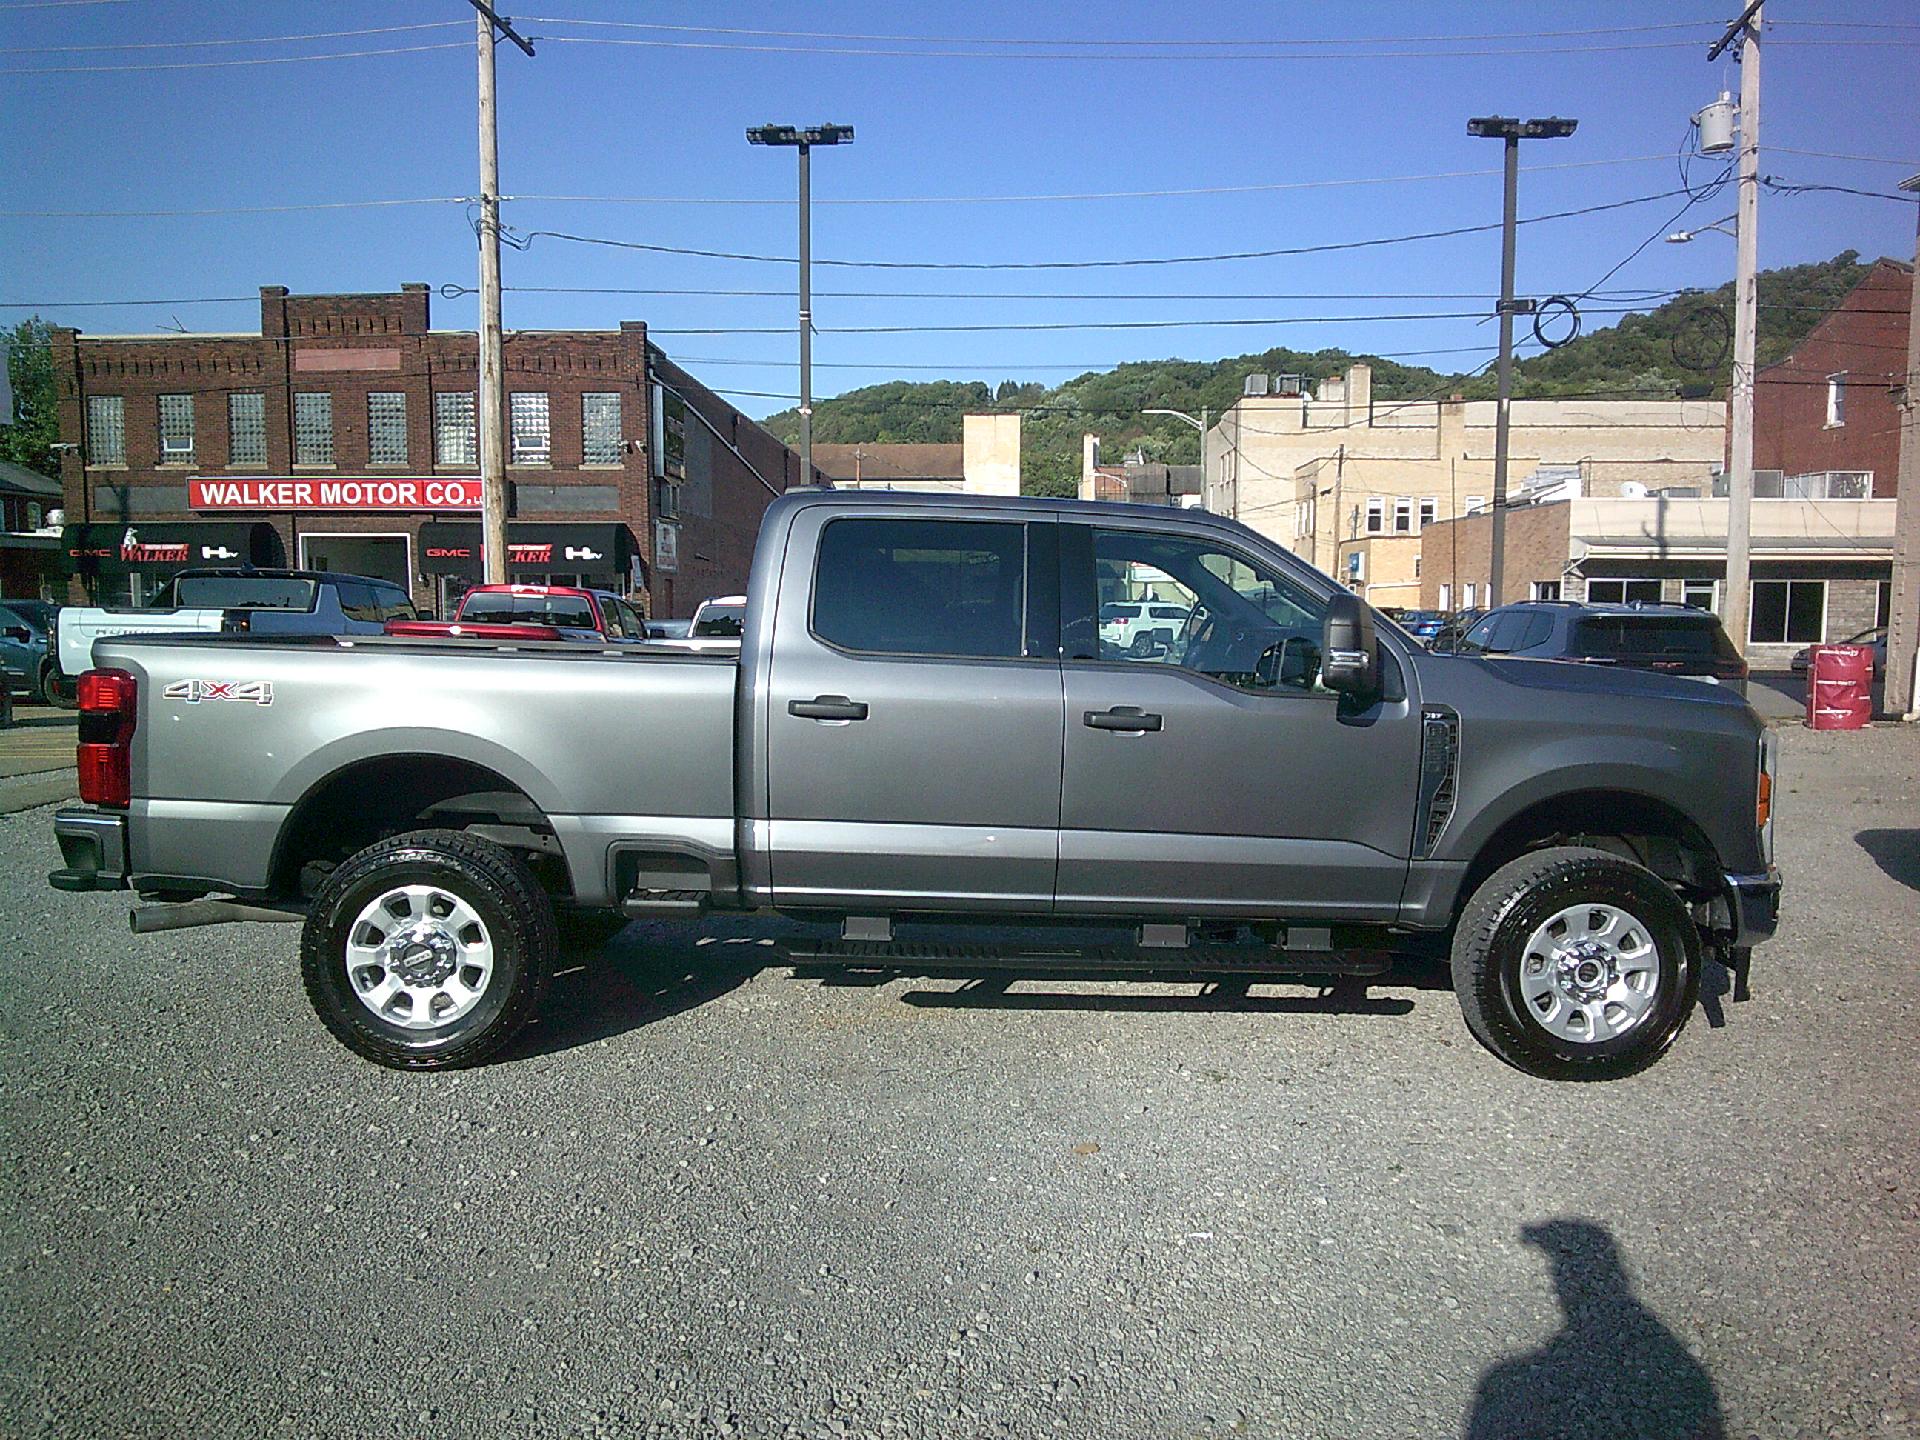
(230, 64)
(1061, 325)
(454, 292)
(1095, 264)
(1782, 187)
(233, 209)
(1086, 195)
(1089, 56)
(1836, 155)
(232, 40)
(1024, 40)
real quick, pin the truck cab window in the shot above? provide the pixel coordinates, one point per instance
(1179, 600)
(921, 587)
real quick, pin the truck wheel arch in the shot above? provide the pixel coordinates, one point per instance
(370, 799)
(1639, 827)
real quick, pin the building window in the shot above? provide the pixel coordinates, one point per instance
(247, 428)
(1883, 607)
(176, 430)
(1429, 510)
(1546, 590)
(1701, 594)
(1837, 399)
(1446, 597)
(456, 437)
(600, 442)
(106, 430)
(313, 428)
(386, 428)
(1376, 515)
(1788, 612)
(1623, 592)
(1416, 567)
(1475, 504)
(1403, 516)
(532, 428)
(1466, 596)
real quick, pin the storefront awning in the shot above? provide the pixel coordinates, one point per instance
(452, 547)
(162, 548)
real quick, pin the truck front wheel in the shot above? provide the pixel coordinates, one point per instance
(428, 950)
(1574, 964)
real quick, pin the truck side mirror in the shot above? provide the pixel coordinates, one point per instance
(1349, 659)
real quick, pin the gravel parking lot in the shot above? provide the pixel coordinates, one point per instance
(714, 1196)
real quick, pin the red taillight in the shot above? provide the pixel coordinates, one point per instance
(105, 753)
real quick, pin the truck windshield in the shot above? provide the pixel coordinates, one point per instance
(242, 592)
(571, 612)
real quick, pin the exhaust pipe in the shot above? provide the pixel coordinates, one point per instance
(195, 913)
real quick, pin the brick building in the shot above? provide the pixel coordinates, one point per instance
(343, 436)
(1827, 417)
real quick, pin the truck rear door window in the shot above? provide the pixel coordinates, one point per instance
(565, 611)
(921, 587)
(243, 592)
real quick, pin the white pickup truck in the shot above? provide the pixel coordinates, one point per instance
(212, 602)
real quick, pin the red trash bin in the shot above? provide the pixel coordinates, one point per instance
(1839, 687)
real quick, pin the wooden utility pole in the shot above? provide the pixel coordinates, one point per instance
(1746, 313)
(493, 372)
(1903, 623)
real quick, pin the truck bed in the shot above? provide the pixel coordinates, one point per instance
(234, 733)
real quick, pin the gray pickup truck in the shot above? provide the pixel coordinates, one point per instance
(923, 723)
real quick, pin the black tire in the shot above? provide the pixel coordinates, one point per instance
(1489, 952)
(498, 888)
(1142, 645)
(42, 691)
(58, 690)
(6, 704)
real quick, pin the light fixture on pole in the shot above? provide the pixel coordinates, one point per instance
(804, 141)
(1718, 227)
(1510, 133)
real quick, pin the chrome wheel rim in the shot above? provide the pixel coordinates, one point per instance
(418, 956)
(1590, 974)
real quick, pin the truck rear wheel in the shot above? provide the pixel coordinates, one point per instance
(1574, 964)
(428, 950)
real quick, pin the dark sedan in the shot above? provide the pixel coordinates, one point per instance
(1874, 639)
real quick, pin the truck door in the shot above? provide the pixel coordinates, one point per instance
(914, 725)
(1211, 772)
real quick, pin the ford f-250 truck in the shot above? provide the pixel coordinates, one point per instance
(923, 722)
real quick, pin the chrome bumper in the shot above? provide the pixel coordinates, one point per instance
(93, 845)
(1754, 903)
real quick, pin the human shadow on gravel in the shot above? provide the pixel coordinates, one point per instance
(1613, 1369)
(645, 973)
(1896, 852)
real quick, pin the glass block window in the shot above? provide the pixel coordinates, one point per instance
(106, 430)
(456, 435)
(532, 428)
(387, 428)
(313, 428)
(247, 428)
(600, 429)
(176, 430)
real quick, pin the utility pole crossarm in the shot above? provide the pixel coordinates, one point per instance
(503, 25)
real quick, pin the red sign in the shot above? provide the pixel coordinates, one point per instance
(346, 492)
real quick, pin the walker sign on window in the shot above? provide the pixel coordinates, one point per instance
(346, 492)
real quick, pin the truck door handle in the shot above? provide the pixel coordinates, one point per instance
(828, 707)
(1121, 717)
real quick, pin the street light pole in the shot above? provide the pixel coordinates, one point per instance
(804, 141)
(1510, 132)
(1199, 424)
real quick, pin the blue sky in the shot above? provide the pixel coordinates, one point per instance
(667, 119)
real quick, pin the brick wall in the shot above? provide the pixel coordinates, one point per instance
(1455, 553)
(1865, 338)
(354, 346)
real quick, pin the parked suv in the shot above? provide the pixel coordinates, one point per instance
(26, 627)
(1136, 627)
(1667, 639)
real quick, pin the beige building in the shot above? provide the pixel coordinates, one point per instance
(1348, 481)
(985, 462)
